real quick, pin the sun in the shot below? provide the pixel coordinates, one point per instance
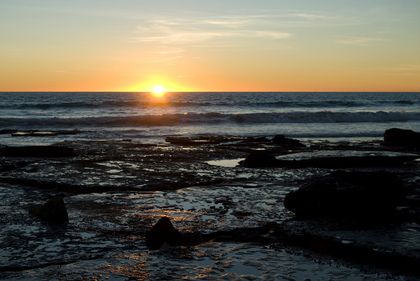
(158, 91)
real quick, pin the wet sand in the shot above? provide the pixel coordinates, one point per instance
(115, 191)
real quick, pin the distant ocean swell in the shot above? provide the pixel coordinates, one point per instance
(162, 104)
(213, 118)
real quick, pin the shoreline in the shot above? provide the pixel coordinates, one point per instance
(116, 190)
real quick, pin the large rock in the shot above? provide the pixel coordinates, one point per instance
(53, 211)
(347, 194)
(397, 136)
(259, 159)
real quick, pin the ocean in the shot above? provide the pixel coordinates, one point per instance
(149, 118)
(115, 191)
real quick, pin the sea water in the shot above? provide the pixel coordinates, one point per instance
(149, 118)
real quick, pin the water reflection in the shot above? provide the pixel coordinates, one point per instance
(130, 266)
(229, 163)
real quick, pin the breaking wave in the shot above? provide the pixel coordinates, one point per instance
(107, 104)
(215, 118)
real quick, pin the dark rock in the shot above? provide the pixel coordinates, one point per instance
(53, 211)
(258, 159)
(163, 232)
(6, 131)
(397, 136)
(283, 141)
(37, 151)
(347, 194)
(200, 140)
(192, 238)
(256, 140)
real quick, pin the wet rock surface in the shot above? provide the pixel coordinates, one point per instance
(116, 191)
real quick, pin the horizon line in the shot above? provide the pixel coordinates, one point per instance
(211, 92)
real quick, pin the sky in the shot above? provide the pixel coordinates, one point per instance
(192, 45)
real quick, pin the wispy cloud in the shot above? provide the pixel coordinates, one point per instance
(168, 59)
(269, 34)
(312, 16)
(171, 52)
(197, 30)
(263, 24)
(359, 41)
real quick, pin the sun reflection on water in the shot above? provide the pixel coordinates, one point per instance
(131, 266)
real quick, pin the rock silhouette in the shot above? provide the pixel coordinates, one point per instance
(347, 194)
(53, 211)
(395, 136)
(259, 159)
(163, 232)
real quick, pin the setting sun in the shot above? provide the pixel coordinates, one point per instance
(158, 90)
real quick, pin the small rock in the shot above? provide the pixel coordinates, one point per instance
(163, 232)
(283, 141)
(53, 211)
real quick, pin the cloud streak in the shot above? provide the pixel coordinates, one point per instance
(168, 59)
(191, 31)
(359, 41)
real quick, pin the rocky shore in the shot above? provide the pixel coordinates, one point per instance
(346, 204)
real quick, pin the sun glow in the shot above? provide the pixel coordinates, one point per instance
(158, 91)
(158, 87)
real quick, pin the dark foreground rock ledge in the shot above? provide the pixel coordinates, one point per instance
(279, 236)
(49, 151)
(361, 195)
